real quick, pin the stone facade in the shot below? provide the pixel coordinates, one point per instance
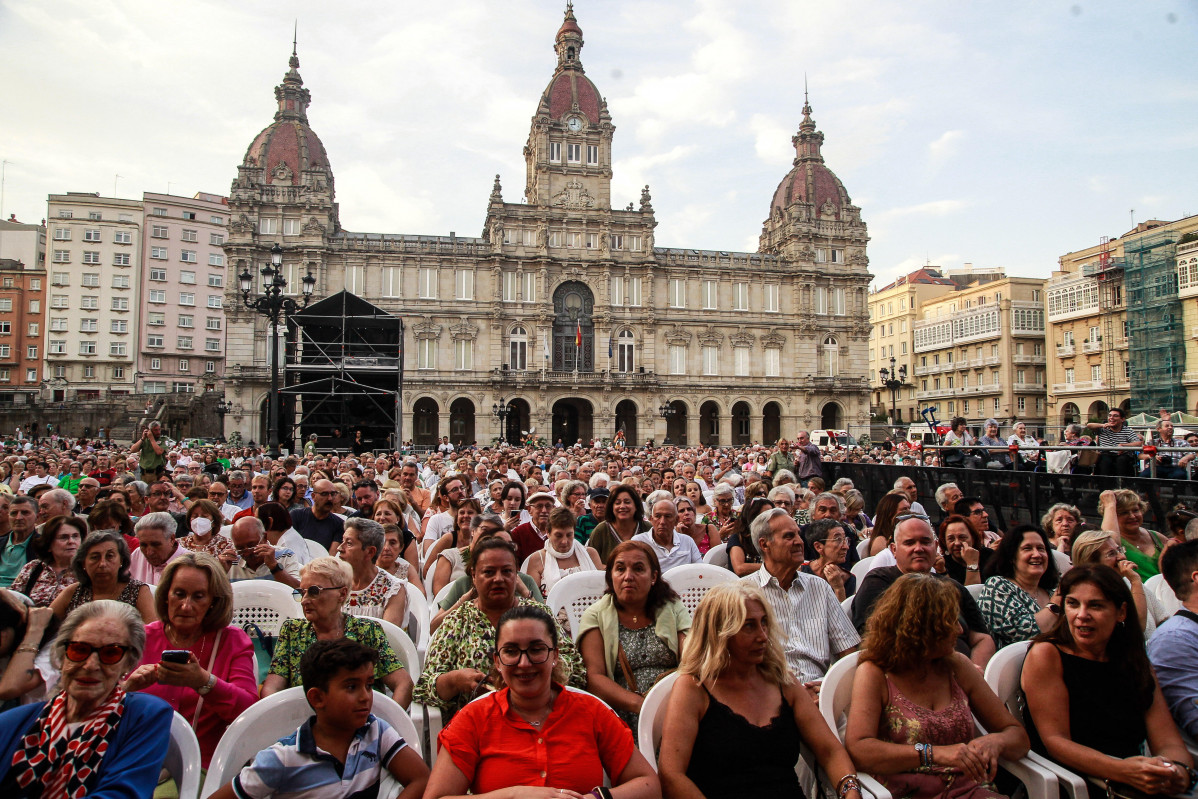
(565, 306)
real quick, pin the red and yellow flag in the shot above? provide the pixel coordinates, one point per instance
(578, 334)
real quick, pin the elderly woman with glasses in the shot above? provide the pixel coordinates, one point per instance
(827, 540)
(101, 565)
(52, 549)
(325, 584)
(92, 738)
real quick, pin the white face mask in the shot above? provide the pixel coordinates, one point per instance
(201, 525)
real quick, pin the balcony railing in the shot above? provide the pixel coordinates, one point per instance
(1091, 346)
(1088, 385)
(1064, 350)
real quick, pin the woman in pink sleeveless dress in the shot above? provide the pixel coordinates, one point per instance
(914, 699)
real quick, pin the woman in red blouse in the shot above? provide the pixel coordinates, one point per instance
(555, 742)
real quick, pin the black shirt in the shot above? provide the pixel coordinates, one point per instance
(322, 531)
(878, 580)
(958, 571)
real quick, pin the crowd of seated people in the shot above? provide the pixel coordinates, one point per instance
(118, 604)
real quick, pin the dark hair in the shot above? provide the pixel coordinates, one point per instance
(884, 513)
(1177, 564)
(958, 421)
(486, 545)
(561, 518)
(965, 502)
(750, 511)
(638, 507)
(1125, 650)
(110, 509)
(39, 546)
(818, 531)
(522, 611)
(95, 539)
(659, 593)
(950, 520)
(365, 484)
(12, 619)
(282, 481)
(323, 659)
(272, 515)
(1003, 562)
(508, 486)
(1119, 411)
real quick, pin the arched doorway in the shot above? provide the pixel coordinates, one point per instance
(1125, 406)
(709, 424)
(573, 330)
(771, 423)
(626, 421)
(740, 424)
(1070, 413)
(425, 420)
(830, 417)
(517, 427)
(573, 421)
(676, 424)
(1098, 411)
(461, 422)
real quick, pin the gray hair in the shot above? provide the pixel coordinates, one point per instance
(599, 479)
(843, 482)
(370, 532)
(486, 517)
(1074, 429)
(63, 496)
(760, 528)
(723, 490)
(829, 495)
(898, 484)
(94, 539)
(236, 474)
(655, 497)
(135, 628)
(942, 492)
(782, 491)
(159, 520)
(784, 476)
(140, 487)
(1046, 519)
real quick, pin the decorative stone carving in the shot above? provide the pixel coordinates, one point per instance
(742, 338)
(426, 329)
(676, 335)
(314, 227)
(773, 339)
(464, 331)
(711, 337)
(281, 174)
(574, 195)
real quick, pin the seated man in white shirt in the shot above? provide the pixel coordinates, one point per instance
(157, 546)
(672, 547)
(257, 559)
(218, 494)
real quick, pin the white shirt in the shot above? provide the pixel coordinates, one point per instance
(229, 511)
(683, 551)
(284, 557)
(438, 525)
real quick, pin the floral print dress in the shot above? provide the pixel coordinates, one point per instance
(373, 599)
(46, 587)
(296, 635)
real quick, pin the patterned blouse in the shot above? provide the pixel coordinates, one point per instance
(217, 544)
(465, 640)
(48, 585)
(373, 599)
(1010, 612)
(128, 595)
(296, 635)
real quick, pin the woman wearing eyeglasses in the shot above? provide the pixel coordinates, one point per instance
(535, 732)
(92, 738)
(101, 565)
(325, 584)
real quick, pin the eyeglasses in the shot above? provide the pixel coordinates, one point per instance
(510, 654)
(109, 654)
(836, 539)
(902, 517)
(160, 493)
(978, 512)
(326, 493)
(315, 590)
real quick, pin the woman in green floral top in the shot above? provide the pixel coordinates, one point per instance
(459, 655)
(324, 586)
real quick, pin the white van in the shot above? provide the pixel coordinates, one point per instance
(824, 439)
(920, 434)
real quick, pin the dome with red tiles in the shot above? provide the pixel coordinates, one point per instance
(570, 89)
(809, 181)
(288, 147)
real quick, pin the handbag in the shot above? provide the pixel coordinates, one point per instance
(264, 648)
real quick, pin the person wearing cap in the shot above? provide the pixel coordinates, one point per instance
(531, 536)
(596, 512)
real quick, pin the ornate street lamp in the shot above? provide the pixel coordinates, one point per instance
(274, 304)
(667, 412)
(501, 410)
(893, 379)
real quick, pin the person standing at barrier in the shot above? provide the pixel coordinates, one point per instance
(1114, 432)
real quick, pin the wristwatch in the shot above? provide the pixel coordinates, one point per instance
(1054, 607)
(971, 568)
(208, 686)
(276, 569)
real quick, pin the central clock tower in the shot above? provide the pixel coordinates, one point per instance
(568, 153)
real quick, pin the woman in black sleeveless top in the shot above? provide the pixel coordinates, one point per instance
(1092, 699)
(736, 703)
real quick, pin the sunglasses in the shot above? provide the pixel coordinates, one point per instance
(315, 590)
(902, 517)
(109, 654)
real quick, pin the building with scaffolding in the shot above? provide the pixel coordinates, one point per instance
(1116, 328)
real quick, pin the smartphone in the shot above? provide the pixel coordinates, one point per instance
(179, 656)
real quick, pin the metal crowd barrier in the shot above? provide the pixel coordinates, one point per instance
(1011, 449)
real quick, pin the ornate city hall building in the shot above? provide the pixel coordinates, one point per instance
(566, 308)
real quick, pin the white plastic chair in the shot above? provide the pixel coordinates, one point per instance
(265, 603)
(183, 758)
(847, 605)
(404, 647)
(417, 621)
(976, 590)
(577, 592)
(863, 548)
(278, 715)
(718, 556)
(693, 580)
(315, 549)
(433, 606)
(861, 568)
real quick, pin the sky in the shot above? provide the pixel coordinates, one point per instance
(997, 134)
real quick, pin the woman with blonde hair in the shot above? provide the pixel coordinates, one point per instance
(734, 685)
(915, 698)
(1123, 513)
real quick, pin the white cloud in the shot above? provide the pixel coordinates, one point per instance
(946, 146)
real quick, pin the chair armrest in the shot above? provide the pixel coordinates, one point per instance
(428, 724)
(1039, 782)
(1073, 784)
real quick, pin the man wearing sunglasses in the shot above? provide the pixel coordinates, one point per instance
(320, 523)
(257, 559)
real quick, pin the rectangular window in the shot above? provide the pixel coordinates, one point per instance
(555, 238)
(118, 349)
(62, 234)
(5, 304)
(216, 281)
(31, 375)
(821, 300)
(58, 324)
(91, 234)
(120, 281)
(677, 359)
(31, 353)
(158, 232)
(1096, 374)
(88, 303)
(837, 297)
(35, 284)
(91, 280)
(426, 353)
(1021, 402)
(212, 345)
(592, 154)
(711, 360)
(391, 278)
(463, 284)
(209, 367)
(186, 320)
(5, 350)
(187, 277)
(773, 362)
(740, 361)
(677, 293)
(183, 342)
(156, 363)
(574, 241)
(119, 325)
(121, 259)
(155, 340)
(740, 296)
(592, 241)
(184, 365)
(120, 303)
(769, 298)
(33, 329)
(189, 235)
(59, 301)
(156, 318)
(90, 257)
(212, 323)
(509, 287)
(634, 243)
(215, 301)
(216, 239)
(291, 227)
(216, 220)
(463, 354)
(62, 256)
(188, 256)
(60, 278)
(555, 152)
(158, 253)
(57, 347)
(66, 214)
(187, 298)
(711, 294)
(633, 294)
(6, 328)
(268, 227)
(617, 241)
(426, 288)
(95, 215)
(157, 295)
(528, 291)
(4, 375)
(573, 153)
(215, 259)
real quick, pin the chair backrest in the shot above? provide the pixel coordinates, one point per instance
(861, 568)
(718, 556)
(847, 605)
(863, 547)
(837, 691)
(575, 593)
(418, 618)
(404, 647)
(1167, 603)
(652, 717)
(315, 549)
(1002, 675)
(278, 715)
(265, 603)
(183, 758)
(444, 592)
(693, 580)
(975, 590)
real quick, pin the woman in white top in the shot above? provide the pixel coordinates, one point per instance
(1027, 459)
(451, 553)
(373, 592)
(563, 553)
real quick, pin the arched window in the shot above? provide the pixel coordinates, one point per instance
(625, 352)
(831, 357)
(518, 355)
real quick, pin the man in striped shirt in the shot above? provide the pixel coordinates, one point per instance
(1114, 432)
(818, 633)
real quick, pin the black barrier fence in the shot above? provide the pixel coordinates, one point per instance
(1017, 497)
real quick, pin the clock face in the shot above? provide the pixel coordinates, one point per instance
(574, 124)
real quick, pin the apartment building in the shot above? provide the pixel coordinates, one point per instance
(980, 351)
(1187, 291)
(22, 308)
(94, 285)
(1121, 325)
(182, 320)
(893, 312)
